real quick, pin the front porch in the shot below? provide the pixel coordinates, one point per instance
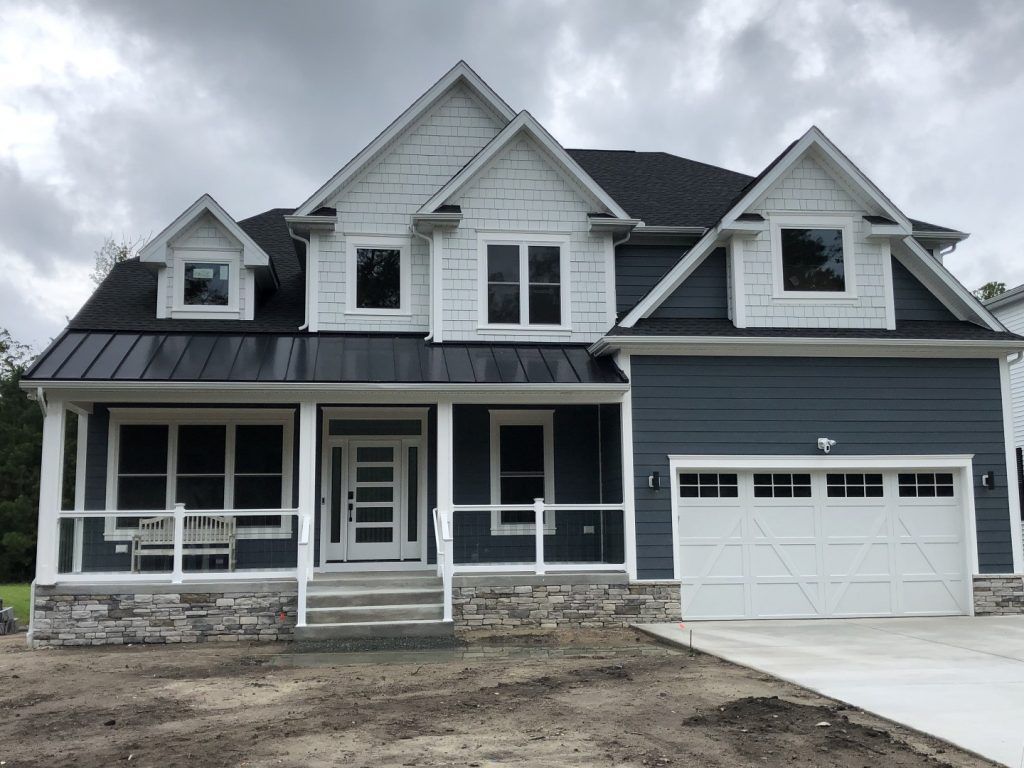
(329, 497)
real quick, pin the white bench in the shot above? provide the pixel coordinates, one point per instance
(203, 535)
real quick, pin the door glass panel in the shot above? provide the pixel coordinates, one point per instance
(375, 454)
(336, 491)
(412, 504)
(374, 514)
(375, 474)
(374, 535)
(375, 494)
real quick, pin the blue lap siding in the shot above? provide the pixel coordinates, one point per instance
(779, 406)
(704, 294)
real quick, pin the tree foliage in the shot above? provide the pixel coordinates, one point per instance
(112, 253)
(990, 290)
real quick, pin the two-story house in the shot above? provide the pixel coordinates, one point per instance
(477, 379)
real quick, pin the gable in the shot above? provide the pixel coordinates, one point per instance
(206, 233)
(912, 300)
(810, 186)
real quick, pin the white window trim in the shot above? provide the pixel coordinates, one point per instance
(352, 244)
(176, 417)
(811, 221)
(200, 311)
(539, 418)
(523, 240)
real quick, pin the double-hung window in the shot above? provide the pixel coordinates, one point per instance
(524, 281)
(378, 275)
(522, 469)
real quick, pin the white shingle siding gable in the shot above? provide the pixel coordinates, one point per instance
(1012, 316)
(382, 199)
(521, 191)
(808, 188)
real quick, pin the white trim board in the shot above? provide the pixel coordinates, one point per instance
(355, 242)
(544, 418)
(461, 72)
(524, 123)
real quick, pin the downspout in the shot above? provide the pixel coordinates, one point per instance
(430, 278)
(309, 250)
(616, 244)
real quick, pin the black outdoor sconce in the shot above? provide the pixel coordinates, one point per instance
(988, 480)
(654, 481)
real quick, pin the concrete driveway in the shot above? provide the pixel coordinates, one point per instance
(958, 678)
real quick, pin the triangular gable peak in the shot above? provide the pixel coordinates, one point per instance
(525, 126)
(460, 74)
(817, 148)
(158, 250)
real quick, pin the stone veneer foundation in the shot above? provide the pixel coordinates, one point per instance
(560, 601)
(118, 614)
(998, 595)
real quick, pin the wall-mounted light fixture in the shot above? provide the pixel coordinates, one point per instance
(826, 444)
(988, 480)
(654, 481)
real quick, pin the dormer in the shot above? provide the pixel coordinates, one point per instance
(207, 267)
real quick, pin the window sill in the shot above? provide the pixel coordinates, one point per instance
(378, 313)
(554, 330)
(816, 297)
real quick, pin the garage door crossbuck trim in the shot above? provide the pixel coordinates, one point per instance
(822, 553)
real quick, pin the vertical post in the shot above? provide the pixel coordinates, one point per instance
(51, 478)
(80, 462)
(1012, 489)
(538, 535)
(307, 504)
(178, 569)
(628, 489)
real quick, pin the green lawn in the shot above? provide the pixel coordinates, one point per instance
(16, 595)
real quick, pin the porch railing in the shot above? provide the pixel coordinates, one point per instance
(178, 546)
(445, 566)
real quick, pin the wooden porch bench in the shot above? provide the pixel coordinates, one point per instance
(203, 535)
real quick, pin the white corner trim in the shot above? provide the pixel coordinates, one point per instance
(524, 122)
(738, 284)
(779, 222)
(628, 490)
(890, 290)
(460, 72)
(523, 240)
(499, 418)
(1012, 489)
(353, 242)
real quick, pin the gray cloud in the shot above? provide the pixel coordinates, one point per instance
(259, 102)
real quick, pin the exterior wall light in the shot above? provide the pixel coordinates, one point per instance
(654, 481)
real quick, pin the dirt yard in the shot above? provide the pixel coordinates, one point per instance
(609, 699)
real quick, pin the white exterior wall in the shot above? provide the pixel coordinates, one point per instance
(382, 199)
(206, 234)
(1012, 316)
(521, 191)
(807, 188)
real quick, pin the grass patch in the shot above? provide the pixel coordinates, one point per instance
(16, 596)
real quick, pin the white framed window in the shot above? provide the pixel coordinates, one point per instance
(378, 275)
(524, 281)
(522, 458)
(813, 257)
(206, 282)
(234, 459)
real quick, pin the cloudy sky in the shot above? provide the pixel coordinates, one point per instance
(115, 116)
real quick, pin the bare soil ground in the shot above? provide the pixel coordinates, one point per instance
(569, 699)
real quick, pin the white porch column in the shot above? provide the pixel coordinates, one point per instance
(307, 502)
(445, 450)
(51, 479)
(628, 495)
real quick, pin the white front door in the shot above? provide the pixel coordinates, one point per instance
(375, 500)
(821, 544)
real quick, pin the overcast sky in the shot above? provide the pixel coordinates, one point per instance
(115, 116)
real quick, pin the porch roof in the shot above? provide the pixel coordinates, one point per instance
(98, 356)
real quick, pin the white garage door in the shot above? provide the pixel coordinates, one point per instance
(821, 544)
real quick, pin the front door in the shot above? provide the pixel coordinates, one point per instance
(374, 499)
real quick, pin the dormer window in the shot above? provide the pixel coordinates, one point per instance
(378, 275)
(206, 282)
(524, 282)
(812, 257)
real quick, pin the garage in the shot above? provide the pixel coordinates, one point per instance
(793, 541)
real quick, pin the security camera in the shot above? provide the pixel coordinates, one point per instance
(826, 444)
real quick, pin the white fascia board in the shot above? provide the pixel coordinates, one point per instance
(460, 72)
(156, 250)
(832, 461)
(672, 279)
(603, 224)
(1005, 299)
(815, 138)
(944, 285)
(802, 346)
(524, 122)
(325, 223)
(886, 230)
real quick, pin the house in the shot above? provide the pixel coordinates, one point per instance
(1009, 310)
(477, 379)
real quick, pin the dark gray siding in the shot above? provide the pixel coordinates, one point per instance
(779, 406)
(912, 300)
(638, 268)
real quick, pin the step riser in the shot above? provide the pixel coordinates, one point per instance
(375, 614)
(406, 582)
(377, 631)
(374, 598)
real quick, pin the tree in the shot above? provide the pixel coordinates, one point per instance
(990, 290)
(112, 253)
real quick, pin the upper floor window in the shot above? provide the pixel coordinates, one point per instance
(206, 282)
(524, 281)
(379, 275)
(812, 257)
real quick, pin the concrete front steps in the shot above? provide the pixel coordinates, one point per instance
(368, 605)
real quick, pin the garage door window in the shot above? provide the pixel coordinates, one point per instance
(854, 486)
(708, 485)
(926, 484)
(782, 486)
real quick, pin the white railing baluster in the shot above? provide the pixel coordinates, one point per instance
(178, 569)
(302, 567)
(445, 557)
(538, 535)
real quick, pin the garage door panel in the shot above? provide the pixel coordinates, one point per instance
(856, 547)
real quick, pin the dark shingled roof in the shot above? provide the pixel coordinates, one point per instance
(126, 300)
(313, 358)
(926, 330)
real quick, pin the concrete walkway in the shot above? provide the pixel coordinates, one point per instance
(958, 678)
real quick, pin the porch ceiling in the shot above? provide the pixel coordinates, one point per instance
(99, 356)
